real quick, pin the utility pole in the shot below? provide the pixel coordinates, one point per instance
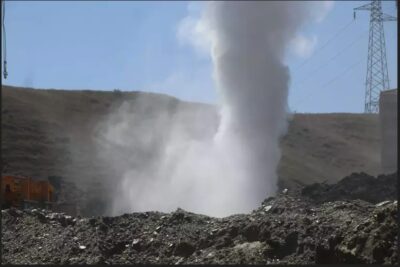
(3, 15)
(377, 71)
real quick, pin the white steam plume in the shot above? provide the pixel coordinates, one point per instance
(234, 170)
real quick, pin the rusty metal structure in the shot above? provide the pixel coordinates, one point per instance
(24, 192)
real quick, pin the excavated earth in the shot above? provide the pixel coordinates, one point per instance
(353, 221)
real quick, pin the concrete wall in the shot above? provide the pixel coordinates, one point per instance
(388, 123)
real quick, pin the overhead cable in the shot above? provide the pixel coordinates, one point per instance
(325, 85)
(326, 63)
(341, 30)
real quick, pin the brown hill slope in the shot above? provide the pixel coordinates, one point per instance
(53, 132)
(328, 147)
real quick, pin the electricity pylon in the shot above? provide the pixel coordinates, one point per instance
(377, 71)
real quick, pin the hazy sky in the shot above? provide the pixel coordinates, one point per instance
(147, 46)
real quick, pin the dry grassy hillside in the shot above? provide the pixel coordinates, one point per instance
(51, 132)
(327, 147)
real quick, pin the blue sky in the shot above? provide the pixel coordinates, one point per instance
(134, 46)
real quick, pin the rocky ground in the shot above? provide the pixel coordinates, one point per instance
(353, 221)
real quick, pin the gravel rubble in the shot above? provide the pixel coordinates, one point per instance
(291, 228)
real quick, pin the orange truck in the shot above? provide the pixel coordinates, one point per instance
(23, 192)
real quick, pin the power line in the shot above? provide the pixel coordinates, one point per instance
(341, 30)
(343, 73)
(321, 66)
(311, 73)
(325, 85)
(5, 73)
(334, 79)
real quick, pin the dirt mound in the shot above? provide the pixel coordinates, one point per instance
(288, 228)
(356, 186)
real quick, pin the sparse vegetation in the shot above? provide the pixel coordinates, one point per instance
(45, 137)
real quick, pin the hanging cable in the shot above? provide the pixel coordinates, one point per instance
(326, 63)
(337, 77)
(325, 85)
(325, 44)
(5, 73)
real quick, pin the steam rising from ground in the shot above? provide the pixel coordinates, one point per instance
(224, 167)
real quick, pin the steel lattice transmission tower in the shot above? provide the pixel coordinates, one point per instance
(377, 71)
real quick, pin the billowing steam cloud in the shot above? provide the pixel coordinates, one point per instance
(226, 169)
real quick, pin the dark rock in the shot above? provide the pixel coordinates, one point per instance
(15, 212)
(291, 243)
(184, 249)
(380, 252)
(355, 186)
(103, 227)
(277, 210)
(63, 221)
(306, 221)
(107, 220)
(380, 216)
(136, 244)
(92, 221)
(267, 201)
(204, 243)
(325, 255)
(41, 217)
(114, 248)
(265, 233)
(251, 232)
(233, 231)
(177, 216)
(226, 241)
